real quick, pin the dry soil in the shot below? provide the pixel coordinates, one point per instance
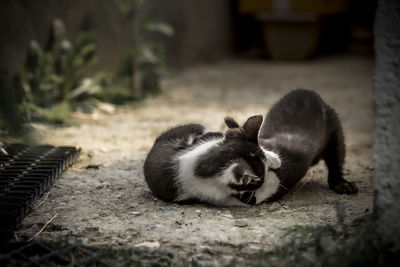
(112, 205)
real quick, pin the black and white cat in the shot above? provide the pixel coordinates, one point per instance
(188, 163)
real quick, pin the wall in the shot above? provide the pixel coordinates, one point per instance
(203, 28)
(386, 97)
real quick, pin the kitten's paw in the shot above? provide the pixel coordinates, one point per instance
(240, 177)
(344, 187)
(245, 182)
(273, 160)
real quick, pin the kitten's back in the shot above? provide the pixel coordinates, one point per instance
(159, 166)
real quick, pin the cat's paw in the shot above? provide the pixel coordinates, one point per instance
(245, 182)
(240, 177)
(273, 160)
(344, 187)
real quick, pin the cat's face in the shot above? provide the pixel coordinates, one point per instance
(249, 159)
(237, 158)
(219, 169)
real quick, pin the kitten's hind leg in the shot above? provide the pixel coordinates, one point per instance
(334, 155)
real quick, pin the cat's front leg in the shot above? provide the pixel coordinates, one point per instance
(239, 177)
(267, 190)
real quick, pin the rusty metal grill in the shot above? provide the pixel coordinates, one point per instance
(25, 174)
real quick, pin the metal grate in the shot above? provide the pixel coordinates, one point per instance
(25, 173)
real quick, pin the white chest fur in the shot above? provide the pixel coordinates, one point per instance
(211, 189)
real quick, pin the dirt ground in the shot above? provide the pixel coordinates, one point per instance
(112, 204)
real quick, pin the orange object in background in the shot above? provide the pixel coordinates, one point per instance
(291, 28)
(254, 6)
(318, 7)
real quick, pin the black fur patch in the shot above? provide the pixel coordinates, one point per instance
(158, 166)
(231, 122)
(209, 136)
(251, 127)
(240, 143)
(230, 150)
(247, 197)
(302, 129)
(245, 180)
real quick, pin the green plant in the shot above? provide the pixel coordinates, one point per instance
(74, 62)
(12, 119)
(51, 78)
(144, 60)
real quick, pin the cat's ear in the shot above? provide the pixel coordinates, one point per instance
(252, 126)
(231, 122)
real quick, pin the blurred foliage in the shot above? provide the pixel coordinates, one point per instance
(50, 76)
(117, 93)
(54, 80)
(11, 115)
(50, 83)
(57, 113)
(144, 61)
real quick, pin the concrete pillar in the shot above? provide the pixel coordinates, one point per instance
(386, 98)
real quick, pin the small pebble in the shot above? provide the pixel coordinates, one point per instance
(149, 245)
(92, 229)
(240, 223)
(227, 215)
(103, 149)
(93, 166)
(274, 207)
(205, 249)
